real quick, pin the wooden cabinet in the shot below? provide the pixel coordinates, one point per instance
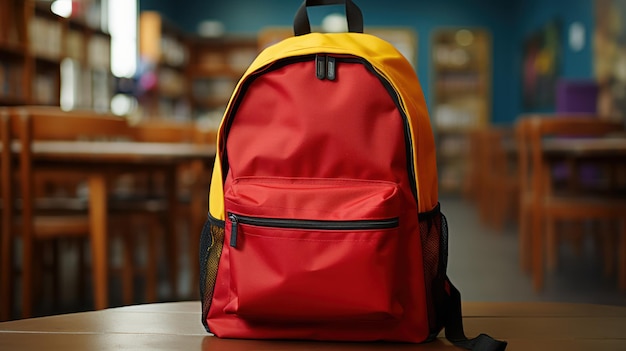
(215, 67)
(164, 55)
(461, 97)
(46, 59)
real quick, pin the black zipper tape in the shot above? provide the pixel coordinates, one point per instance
(307, 224)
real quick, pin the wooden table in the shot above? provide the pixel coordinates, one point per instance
(177, 326)
(100, 159)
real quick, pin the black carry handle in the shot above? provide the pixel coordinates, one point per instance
(301, 24)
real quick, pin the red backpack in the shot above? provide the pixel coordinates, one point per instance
(324, 221)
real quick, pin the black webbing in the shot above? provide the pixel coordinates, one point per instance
(454, 326)
(301, 24)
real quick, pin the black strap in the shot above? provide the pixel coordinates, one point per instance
(301, 24)
(454, 325)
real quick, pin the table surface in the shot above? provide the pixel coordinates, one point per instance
(609, 146)
(118, 151)
(177, 326)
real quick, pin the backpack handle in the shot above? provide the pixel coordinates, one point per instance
(301, 24)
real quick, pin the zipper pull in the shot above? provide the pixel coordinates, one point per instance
(331, 68)
(320, 67)
(233, 231)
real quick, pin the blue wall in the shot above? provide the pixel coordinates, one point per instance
(534, 14)
(509, 22)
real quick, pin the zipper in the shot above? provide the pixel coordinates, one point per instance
(307, 224)
(327, 71)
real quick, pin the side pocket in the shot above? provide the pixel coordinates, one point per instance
(434, 238)
(211, 241)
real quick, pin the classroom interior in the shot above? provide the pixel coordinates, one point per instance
(495, 76)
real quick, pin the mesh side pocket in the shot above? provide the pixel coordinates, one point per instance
(434, 238)
(211, 241)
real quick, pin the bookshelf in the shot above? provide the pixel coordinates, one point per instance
(215, 67)
(44, 56)
(164, 54)
(461, 97)
(193, 76)
(13, 53)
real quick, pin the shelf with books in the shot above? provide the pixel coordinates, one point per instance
(37, 45)
(215, 67)
(13, 53)
(12, 89)
(461, 98)
(86, 67)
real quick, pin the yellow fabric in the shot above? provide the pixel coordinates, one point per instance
(390, 64)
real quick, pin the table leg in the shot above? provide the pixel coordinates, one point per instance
(621, 270)
(99, 242)
(171, 230)
(537, 230)
(195, 216)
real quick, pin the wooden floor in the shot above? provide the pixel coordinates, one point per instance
(482, 264)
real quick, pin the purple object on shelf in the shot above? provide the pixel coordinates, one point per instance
(576, 96)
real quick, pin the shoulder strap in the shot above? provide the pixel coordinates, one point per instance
(453, 324)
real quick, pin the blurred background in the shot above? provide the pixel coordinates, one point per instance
(484, 66)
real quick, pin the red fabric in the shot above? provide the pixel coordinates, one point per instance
(305, 148)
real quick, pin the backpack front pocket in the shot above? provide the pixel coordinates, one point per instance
(312, 249)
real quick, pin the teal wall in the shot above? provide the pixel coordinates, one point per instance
(508, 21)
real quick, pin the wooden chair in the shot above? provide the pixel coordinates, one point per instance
(190, 181)
(499, 177)
(493, 178)
(541, 206)
(22, 127)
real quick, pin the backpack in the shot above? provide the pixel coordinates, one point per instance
(324, 221)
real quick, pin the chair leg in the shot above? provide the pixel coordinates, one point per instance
(578, 235)
(171, 231)
(56, 272)
(6, 270)
(622, 258)
(551, 245)
(151, 269)
(498, 210)
(82, 272)
(194, 248)
(608, 236)
(128, 246)
(537, 252)
(524, 240)
(27, 278)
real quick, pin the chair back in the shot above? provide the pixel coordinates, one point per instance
(164, 131)
(52, 123)
(22, 128)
